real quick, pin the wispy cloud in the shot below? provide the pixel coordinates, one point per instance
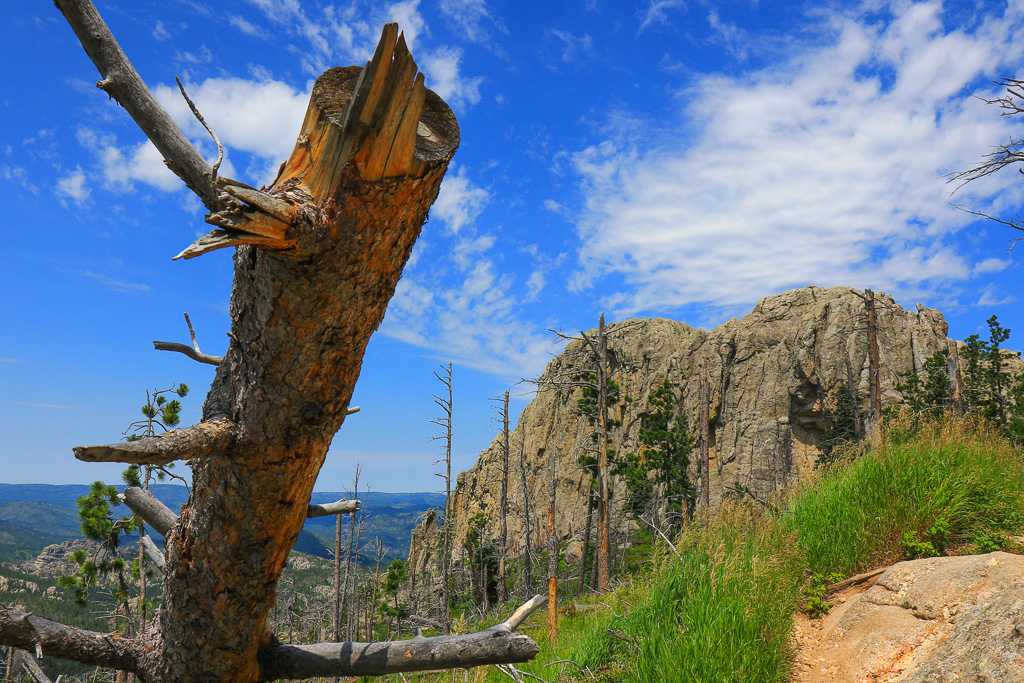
(466, 308)
(247, 27)
(459, 201)
(473, 18)
(72, 186)
(54, 406)
(657, 12)
(573, 48)
(12, 360)
(825, 169)
(115, 283)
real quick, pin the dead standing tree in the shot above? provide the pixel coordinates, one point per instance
(318, 258)
(596, 379)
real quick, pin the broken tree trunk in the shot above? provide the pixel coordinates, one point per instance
(318, 258)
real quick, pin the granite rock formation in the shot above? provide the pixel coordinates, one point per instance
(772, 374)
(937, 619)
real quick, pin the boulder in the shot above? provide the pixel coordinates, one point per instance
(924, 621)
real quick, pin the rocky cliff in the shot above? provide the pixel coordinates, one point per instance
(772, 374)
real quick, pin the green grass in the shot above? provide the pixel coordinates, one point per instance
(722, 609)
(952, 484)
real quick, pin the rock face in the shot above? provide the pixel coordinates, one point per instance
(55, 560)
(924, 621)
(771, 373)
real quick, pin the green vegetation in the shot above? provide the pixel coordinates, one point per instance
(945, 483)
(659, 471)
(720, 606)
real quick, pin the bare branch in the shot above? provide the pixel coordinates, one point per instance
(205, 438)
(340, 507)
(147, 506)
(121, 81)
(524, 611)
(195, 112)
(28, 632)
(496, 645)
(153, 552)
(188, 351)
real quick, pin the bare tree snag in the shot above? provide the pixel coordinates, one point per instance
(368, 164)
(503, 533)
(527, 542)
(552, 554)
(603, 492)
(192, 352)
(874, 369)
(956, 382)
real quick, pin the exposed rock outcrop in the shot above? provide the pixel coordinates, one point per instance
(923, 621)
(771, 375)
(55, 560)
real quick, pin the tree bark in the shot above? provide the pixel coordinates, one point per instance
(319, 255)
(503, 532)
(552, 555)
(956, 384)
(494, 645)
(527, 544)
(26, 631)
(586, 538)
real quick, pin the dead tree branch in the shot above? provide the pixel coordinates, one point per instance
(498, 644)
(205, 438)
(339, 507)
(194, 353)
(26, 631)
(147, 506)
(122, 82)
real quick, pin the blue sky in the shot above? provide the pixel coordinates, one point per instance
(654, 158)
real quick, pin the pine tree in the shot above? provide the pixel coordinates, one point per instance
(660, 469)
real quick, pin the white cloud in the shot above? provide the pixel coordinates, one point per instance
(465, 306)
(114, 283)
(573, 47)
(120, 166)
(247, 27)
(827, 169)
(459, 202)
(991, 265)
(657, 12)
(990, 296)
(258, 117)
(160, 32)
(73, 187)
(54, 406)
(441, 68)
(473, 18)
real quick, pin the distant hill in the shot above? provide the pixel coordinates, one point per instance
(33, 516)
